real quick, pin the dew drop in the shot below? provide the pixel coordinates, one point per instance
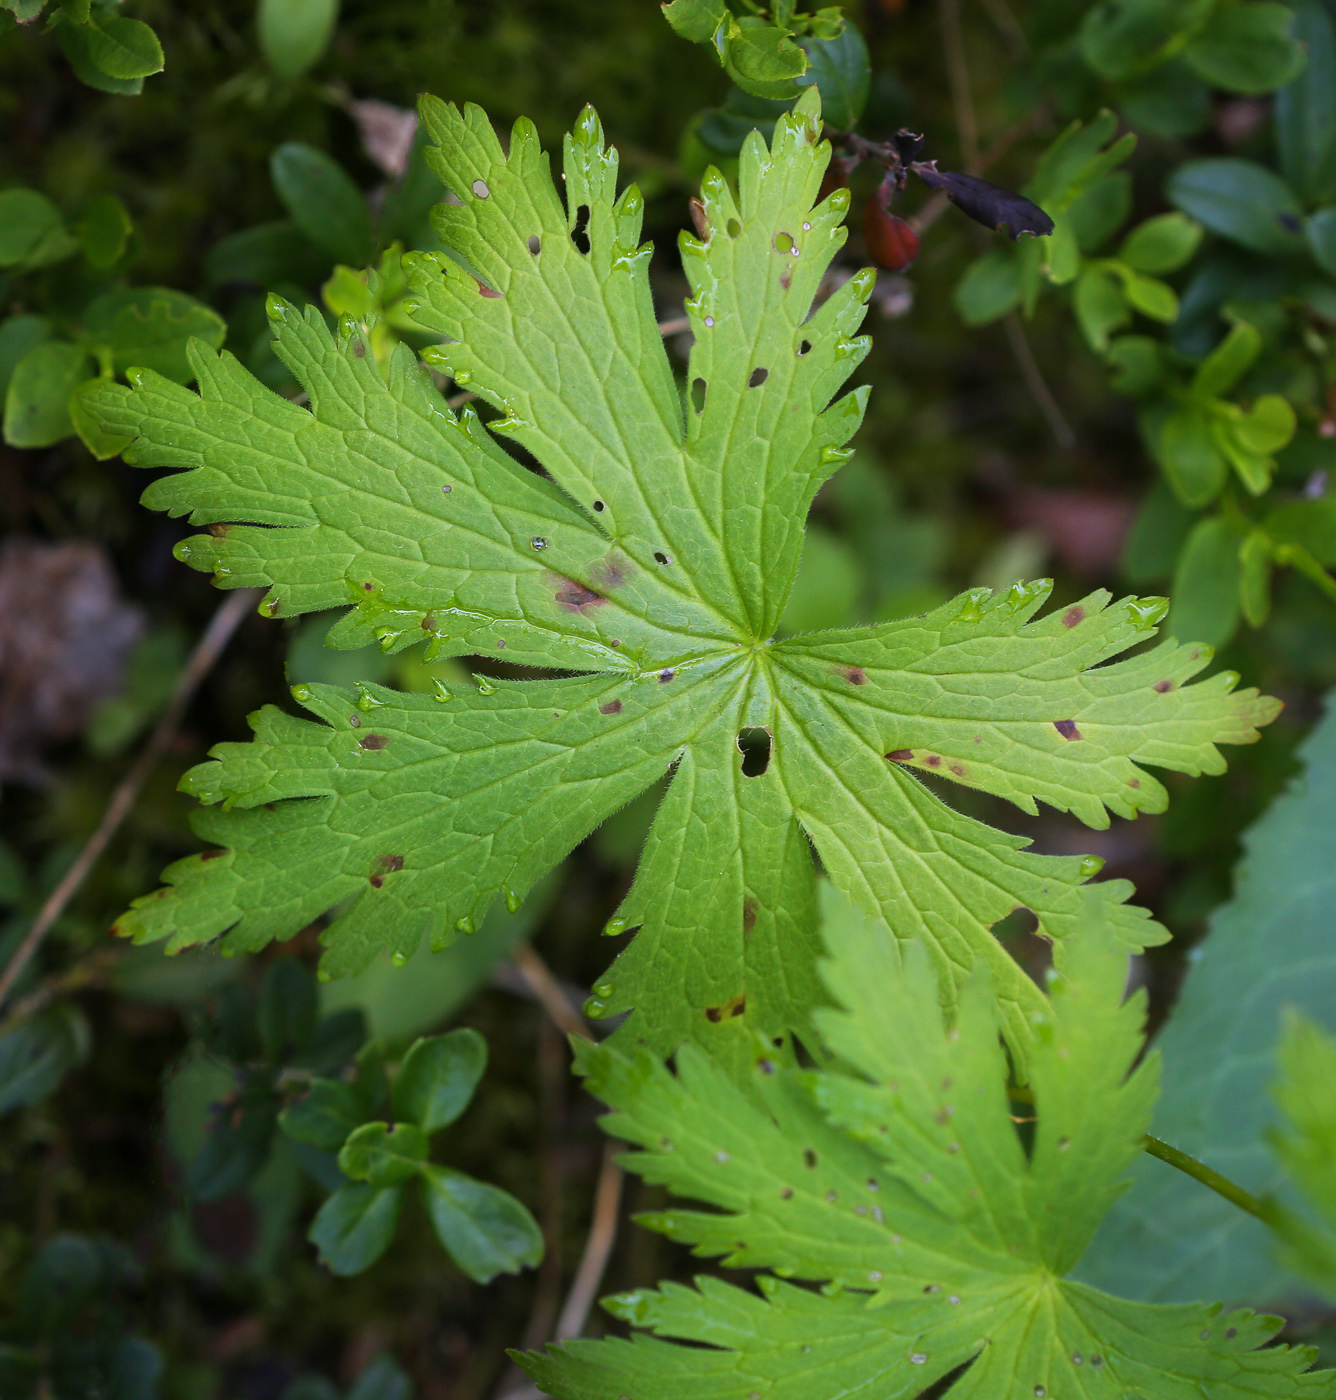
(513, 901)
(918, 1358)
(721, 1156)
(399, 959)
(480, 189)
(485, 687)
(465, 925)
(442, 691)
(538, 542)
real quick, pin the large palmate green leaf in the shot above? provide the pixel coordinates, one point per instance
(655, 554)
(898, 1180)
(1269, 948)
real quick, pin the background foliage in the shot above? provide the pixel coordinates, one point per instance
(1143, 400)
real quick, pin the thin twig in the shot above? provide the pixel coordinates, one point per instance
(1034, 382)
(598, 1247)
(207, 651)
(958, 76)
(547, 990)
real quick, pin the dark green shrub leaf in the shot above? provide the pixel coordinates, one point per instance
(1136, 365)
(1168, 101)
(1184, 444)
(1222, 369)
(1150, 296)
(335, 1041)
(382, 1154)
(1304, 112)
(37, 401)
(1206, 584)
(323, 202)
(325, 1115)
(150, 328)
(485, 1230)
(355, 1226)
(1100, 306)
(294, 33)
(27, 220)
(842, 70)
(1157, 536)
(761, 58)
(1320, 228)
(1246, 48)
(990, 288)
(696, 20)
(1255, 578)
(104, 231)
(86, 423)
(1241, 201)
(288, 1007)
(1162, 244)
(266, 255)
(18, 335)
(237, 1144)
(1121, 38)
(124, 49)
(383, 1379)
(37, 1054)
(438, 1077)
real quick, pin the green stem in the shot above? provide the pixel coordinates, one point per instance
(1221, 1185)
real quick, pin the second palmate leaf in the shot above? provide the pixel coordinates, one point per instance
(654, 552)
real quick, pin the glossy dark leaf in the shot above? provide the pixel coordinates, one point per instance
(986, 203)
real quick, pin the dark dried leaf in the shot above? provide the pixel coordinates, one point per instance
(907, 145)
(986, 203)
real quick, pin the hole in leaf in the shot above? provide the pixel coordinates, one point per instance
(480, 189)
(809, 1157)
(661, 558)
(598, 505)
(783, 243)
(698, 395)
(758, 377)
(535, 244)
(804, 347)
(755, 747)
(579, 236)
(734, 228)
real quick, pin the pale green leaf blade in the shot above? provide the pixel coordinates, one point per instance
(725, 902)
(425, 810)
(971, 1282)
(498, 559)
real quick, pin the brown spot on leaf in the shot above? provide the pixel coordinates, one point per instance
(698, 218)
(377, 881)
(219, 532)
(786, 1194)
(855, 675)
(429, 623)
(575, 597)
(750, 909)
(958, 769)
(727, 1011)
(933, 760)
(613, 707)
(611, 572)
(374, 741)
(1067, 728)
(786, 277)
(359, 349)
(1072, 616)
(486, 291)
(211, 855)
(390, 862)
(666, 676)
(1163, 687)
(900, 755)
(368, 587)
(1134, 782)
